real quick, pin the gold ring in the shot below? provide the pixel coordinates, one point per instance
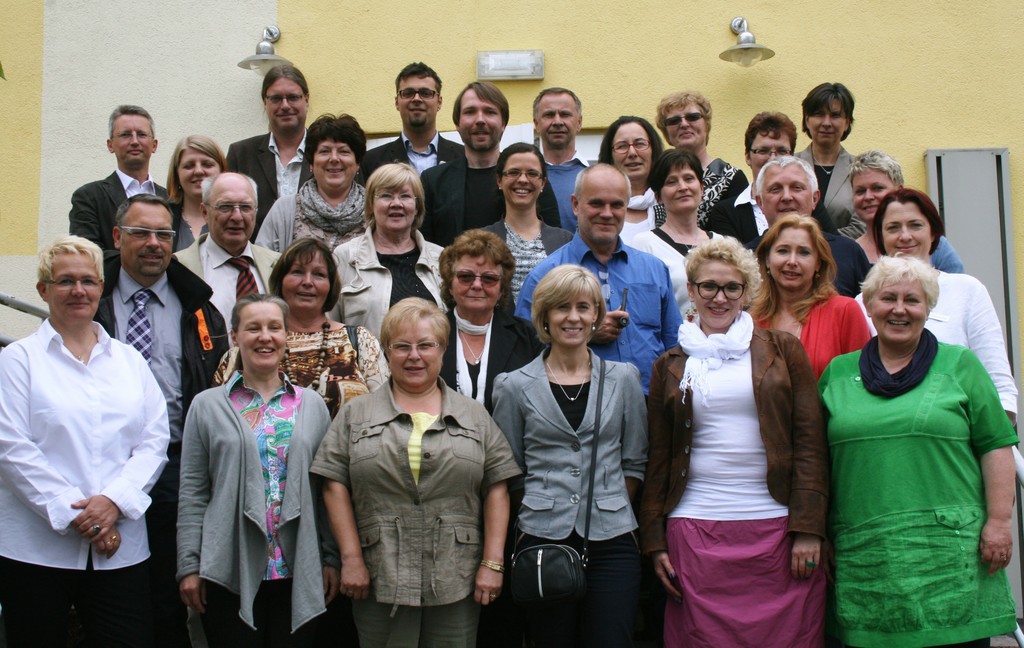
(115, 539)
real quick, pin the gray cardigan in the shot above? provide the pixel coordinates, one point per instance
(222, 506)
(556, 458)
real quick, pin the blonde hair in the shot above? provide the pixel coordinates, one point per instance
(392, 177)
(682, 100)
(890, 270)
(410, 311)
(731, 252)
(68, 245)
(768, 301)
(560, 286)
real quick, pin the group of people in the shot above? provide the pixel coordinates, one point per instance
(317, 395)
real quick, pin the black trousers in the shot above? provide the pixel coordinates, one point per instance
(605, 616)
(169, 613)
(272, 612)
(37, 600)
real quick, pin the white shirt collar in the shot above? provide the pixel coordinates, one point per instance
(146, 186)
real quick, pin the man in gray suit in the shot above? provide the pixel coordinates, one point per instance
(93, 205)
(417, 100)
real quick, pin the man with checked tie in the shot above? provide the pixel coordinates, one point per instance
(224, 258)
(153, 303)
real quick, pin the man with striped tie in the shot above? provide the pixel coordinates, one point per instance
(153, 303)
(224, 258)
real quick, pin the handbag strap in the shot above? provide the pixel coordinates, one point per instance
(593, 461)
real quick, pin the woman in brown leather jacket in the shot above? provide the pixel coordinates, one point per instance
(733, 510)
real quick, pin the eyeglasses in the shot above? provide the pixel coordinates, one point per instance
(127, 136)
(466, 278)
(386, 196)
(638, 144)
(532, 174)
(290, 98)
(409, 93)
(675, 120)
(767, 151)
(143, 233)
(710, 290)
(226, 209)
(67, 284)
(404, 348)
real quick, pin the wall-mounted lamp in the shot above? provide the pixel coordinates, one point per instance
(510, 65)
(264, 59)
(746, 51)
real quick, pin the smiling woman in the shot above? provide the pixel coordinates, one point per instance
(329, 206)
(84, 434)
(194, 159)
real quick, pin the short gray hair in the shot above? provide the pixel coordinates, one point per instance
(557, 91)
(782, 162)
(210, 181)
(890, 270)
(877, 161)
(149, 199)
(128, 109)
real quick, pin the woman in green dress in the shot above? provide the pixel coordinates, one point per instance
(922, 479)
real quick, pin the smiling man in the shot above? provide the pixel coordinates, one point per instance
(276, 161)
(152, 302)
(224, 258)
(558, 118)
(133, 142)
(461, 195)
(787, 185)
(417, 100)
(647, 324)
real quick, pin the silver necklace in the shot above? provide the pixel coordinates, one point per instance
(476, 358)
(572, 399)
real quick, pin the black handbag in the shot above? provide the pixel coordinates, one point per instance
(552, 572)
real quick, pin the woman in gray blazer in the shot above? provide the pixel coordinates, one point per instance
(546, 410)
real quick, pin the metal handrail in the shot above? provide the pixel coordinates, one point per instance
(24, 307)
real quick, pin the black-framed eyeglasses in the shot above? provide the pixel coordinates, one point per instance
(691, 117)
(143, 233)
(424, 93)
(710, 290)
(226, 209)
(766, 151)
(638, 144)
(532, 174)
(467, 278)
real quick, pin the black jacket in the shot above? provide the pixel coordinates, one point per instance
(93, 207)
(394, 151)
(203, 343)
(514, 344)
(444, 188)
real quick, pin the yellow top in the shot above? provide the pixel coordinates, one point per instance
(420, 422)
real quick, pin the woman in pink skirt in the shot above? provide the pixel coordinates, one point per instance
(736, 491)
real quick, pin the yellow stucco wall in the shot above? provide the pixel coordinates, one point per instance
(20, 118)
(939, 74)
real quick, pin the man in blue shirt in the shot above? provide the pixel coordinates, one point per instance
(558, 118)
(648, 324)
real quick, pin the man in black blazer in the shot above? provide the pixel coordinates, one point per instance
(417, 99)
(93, 205)
(279, 154)
(768, 135)
(463, 194)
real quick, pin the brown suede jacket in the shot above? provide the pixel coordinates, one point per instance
(792, 430)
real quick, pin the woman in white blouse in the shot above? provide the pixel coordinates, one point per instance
(83, 437)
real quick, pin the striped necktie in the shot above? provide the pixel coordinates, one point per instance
(246, 284)
(140, 331)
